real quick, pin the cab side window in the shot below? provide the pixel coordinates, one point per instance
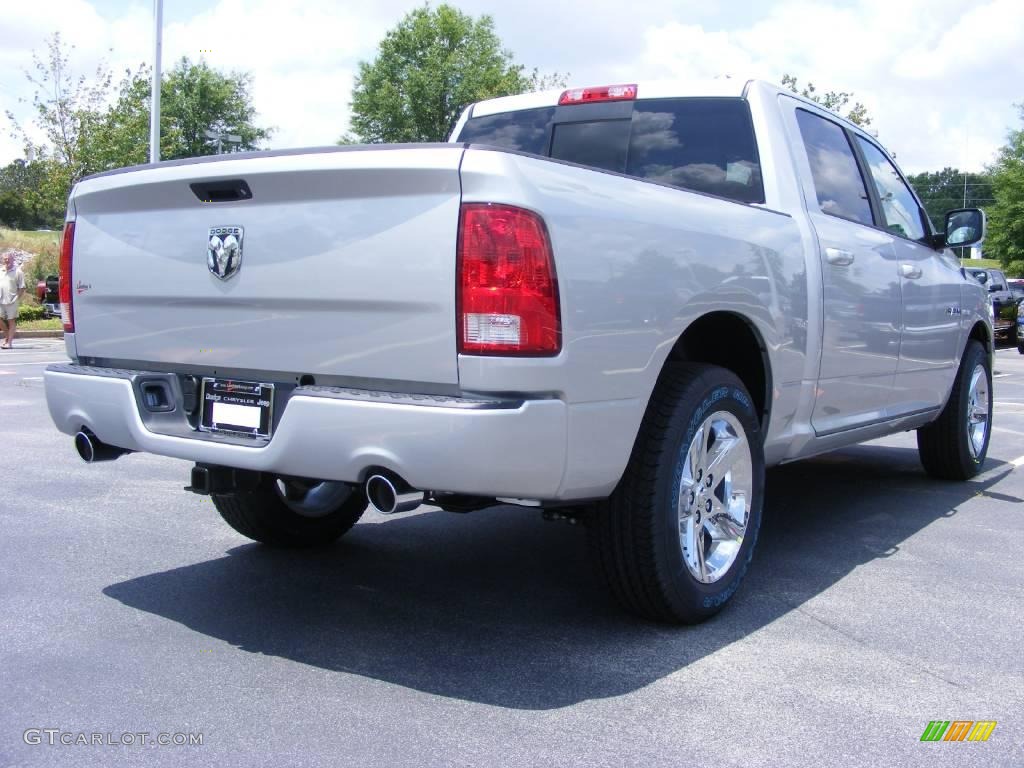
(901, 211)
(837, 180)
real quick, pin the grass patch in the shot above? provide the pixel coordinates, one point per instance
(980, 263)
(45, 246)
(49, 324)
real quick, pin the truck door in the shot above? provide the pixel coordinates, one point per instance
(930, 286)
(860, 282)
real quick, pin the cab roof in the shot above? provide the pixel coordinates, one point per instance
(646, 89)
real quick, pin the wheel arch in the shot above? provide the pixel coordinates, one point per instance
(980, 332)
(745, 354)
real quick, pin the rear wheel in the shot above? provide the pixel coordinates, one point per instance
(293, 512)
(954, 446)
(675, 538)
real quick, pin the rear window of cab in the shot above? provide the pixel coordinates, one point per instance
(701, 144)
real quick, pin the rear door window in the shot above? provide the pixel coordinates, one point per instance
(837, 180)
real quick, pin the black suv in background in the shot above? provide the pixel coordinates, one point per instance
(1016, 286)
(1005, 306)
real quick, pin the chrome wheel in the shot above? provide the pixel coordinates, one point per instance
(977, 410)
(310, 498)
(715, 492)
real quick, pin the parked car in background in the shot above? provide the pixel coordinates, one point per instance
(48, 295)
(1005, 306)
(1016, 286)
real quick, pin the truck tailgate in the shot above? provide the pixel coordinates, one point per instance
(347, 264)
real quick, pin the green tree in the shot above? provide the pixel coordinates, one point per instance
(1006, 223)
(943, 191)
(89, 125)
(66, 110)
(836, 101)
(194, 99)
(429, 68)
(66, 107)
(21, 205)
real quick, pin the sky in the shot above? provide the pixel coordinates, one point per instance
(940, 78)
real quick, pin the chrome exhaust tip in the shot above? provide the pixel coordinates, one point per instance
(92, 450)
(389, 495)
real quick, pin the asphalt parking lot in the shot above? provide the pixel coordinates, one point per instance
(878, 600)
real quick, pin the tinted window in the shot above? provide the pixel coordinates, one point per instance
(706, 145)
(837, 180)
(902, 213)
(600, 144)
(524, 131)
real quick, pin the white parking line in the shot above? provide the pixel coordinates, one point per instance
(1018, 462)
(36, 362)
(1004, 429)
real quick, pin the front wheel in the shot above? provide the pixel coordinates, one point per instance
(293, 512)
(954, 446)
(676, 536)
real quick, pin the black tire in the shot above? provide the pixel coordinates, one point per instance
(635, 533)
(945, 444)
(262, 515)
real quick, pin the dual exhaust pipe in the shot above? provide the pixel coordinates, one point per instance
(91, 449)
(387, 493)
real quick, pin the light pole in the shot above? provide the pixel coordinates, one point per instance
(154, 109)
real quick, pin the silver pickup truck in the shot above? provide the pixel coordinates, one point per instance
(618, 304)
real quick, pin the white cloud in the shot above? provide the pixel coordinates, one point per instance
(938, 77)
(939, 80)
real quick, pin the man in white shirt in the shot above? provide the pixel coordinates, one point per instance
(12, 287)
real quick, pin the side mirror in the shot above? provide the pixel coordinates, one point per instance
(965, 227)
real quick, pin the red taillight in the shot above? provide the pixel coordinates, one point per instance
(67, 310)
(507, 293)
(599, 93)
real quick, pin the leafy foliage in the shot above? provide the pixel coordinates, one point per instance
(428, 69)
(1006, 222)
(45, 246)
(29, 311)
(943, 191)
(835, 101)
(90, 125)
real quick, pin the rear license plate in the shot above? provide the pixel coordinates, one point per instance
(240, 407)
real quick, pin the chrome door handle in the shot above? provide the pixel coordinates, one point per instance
(910, 272)
(838, 257)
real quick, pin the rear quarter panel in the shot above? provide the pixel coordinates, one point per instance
(637, 263)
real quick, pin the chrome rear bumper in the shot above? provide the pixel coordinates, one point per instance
(513, 448)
